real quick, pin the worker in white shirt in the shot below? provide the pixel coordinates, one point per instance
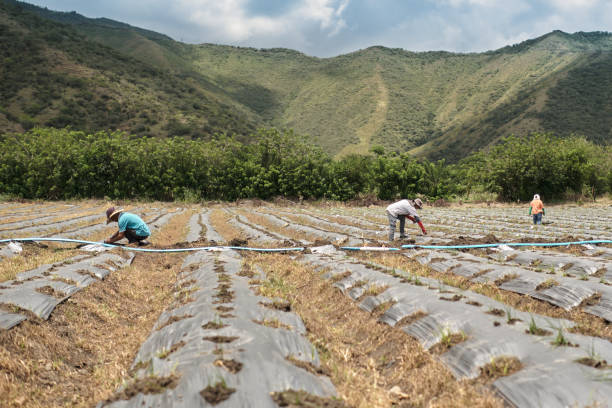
(401, 210)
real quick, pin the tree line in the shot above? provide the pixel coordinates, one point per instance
(49, 163)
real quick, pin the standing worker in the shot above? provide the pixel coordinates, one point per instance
(536, 208)
(131, 227)
(401, 210)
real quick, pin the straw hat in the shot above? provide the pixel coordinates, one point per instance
(111, 212)
(418, 203)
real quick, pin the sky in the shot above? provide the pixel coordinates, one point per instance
(327, 28)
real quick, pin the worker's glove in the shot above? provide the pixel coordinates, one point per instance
(543, 211)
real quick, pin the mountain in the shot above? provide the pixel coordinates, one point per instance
(52, 75)
(431, 104)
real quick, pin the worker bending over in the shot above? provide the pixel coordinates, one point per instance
(401, 210)
(131, 227)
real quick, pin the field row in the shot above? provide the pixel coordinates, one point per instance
(531, 323)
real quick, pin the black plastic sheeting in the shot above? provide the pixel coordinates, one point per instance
(211, 234)
(254, 232)
(194, 228)
(262, 350)
(23, 293)
(567, 291)
(487, 335)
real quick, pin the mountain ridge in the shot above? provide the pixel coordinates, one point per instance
(438, 104)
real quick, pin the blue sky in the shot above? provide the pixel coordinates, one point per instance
(326, 28)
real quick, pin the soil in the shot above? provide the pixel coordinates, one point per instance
(49, 291)
(311, 368)
(505, 278)
(224, 295)
(411, 318)
(214, 325)
(321, 242)
(238, 242)
(202, 242)
(461, 240)
(499, 367)
(214, 394)
(591, 362)
(452, 299)
(295, 399)
(546, 285)
(441, 347)
(496, 312)
(281, 305)
(221, 339)
(274, 323)
(232, 366)
(539, 332)
(172, 349)
(591, 300)
(473, 303)
(147, 385)
(173, 319)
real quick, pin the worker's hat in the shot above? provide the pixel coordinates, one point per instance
(536, 197)
(111, 212)
(418, 203)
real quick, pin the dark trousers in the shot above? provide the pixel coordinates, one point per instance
(131, 236)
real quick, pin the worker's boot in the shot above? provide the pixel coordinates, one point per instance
(144, 242)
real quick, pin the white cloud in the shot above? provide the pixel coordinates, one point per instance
(332, 27)
(461, 3)
(573, 5)
(229, 21)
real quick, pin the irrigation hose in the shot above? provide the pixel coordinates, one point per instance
(207, 248)
(365, 248)
(510, 244)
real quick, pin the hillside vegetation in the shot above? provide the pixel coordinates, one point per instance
(432, 104)
(54, 76)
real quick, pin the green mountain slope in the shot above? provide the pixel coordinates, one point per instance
(53, 76)
(432, 104)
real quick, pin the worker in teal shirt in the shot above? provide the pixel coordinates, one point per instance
(131, 227)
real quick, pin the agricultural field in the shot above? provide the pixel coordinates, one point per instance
(328, 314)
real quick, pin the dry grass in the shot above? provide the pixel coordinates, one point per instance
(366, 359)
(39, 209)
(219, 221)
(65, 216)
(83, 352)
(275, 228)
(302, 220)
(32, 257)
(586, 324)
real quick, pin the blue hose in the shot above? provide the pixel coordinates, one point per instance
(518, 244)
(238, 248)
(208, 248)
